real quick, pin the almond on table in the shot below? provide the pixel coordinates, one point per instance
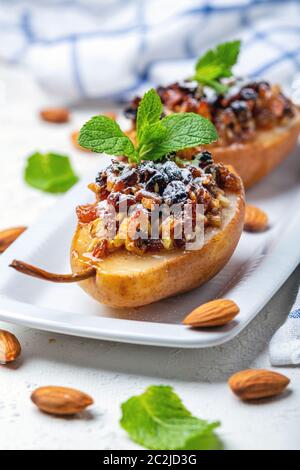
(10, 348)
(55, 115)
(111, 115)
(252, 384)
(74, 138)
(215, 313)
(256, 220)
(60, 400)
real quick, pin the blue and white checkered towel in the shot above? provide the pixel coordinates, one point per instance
(107, 48)
(285, 345)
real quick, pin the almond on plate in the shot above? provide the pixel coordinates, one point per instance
(215, 313)
(60, 400)
(55, 115)
(256, 220)
(8, 236)
(252, 384)
(10, 348)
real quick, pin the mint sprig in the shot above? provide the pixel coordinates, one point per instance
(216, 64)
(155, 136)
(50, 172)
(158, 420)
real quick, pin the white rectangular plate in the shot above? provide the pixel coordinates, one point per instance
(260, 265)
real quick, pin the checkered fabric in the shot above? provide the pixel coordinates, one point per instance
(109, 48)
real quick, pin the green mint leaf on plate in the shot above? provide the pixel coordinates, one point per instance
(158, 420)
(183, 130)
(149, 111)
(103, 135)
(216, 64)
(50, 172)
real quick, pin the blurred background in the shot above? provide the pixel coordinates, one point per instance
(92, 55)
(88, 49)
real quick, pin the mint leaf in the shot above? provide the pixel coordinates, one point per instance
(152, 136)
(217, 63)
(103, 135)
(228, 53)
(220, 88)
(149, 111)
(50, 172)
(158, 420)
(184, 130)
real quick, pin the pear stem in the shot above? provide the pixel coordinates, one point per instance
(34, 271)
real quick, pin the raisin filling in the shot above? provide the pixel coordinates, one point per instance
(246, 108)
(142, 186)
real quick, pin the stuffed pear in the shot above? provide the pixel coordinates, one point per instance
(116, 255)
(257, 125)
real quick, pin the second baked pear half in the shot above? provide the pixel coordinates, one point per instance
(257, 124)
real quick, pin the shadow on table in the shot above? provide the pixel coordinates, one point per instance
(206, 365)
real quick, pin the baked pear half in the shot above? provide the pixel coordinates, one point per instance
(131, 271)
(126, 279)
(257, 124)
(159, 225)
(134, 271)
(255, 159)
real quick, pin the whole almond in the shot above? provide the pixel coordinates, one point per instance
(252, 384)
(10, 348)
(74, 138)
(111, 115)
(8, 236)
(55, 115)
(256, 220)
(60, 400)
(215, 313)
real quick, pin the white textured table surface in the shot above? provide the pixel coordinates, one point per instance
(112, 372)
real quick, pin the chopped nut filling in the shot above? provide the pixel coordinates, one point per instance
(140, 187)
(246, 108)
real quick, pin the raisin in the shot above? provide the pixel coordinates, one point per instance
(146, 170)
(157, 181)
(204, 158)
(128, 178)
(131, 111)
(101, 249)
(171, 170)
(186, 175)
(175, 193)
(101, 180)
(115, 199)
(187, 86)
(248, 94)
(86, 213)
(241, 110)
